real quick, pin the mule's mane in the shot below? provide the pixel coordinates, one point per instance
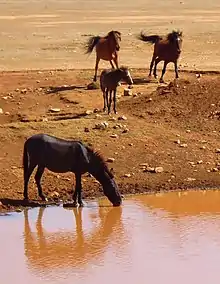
(174, 34)
(101, 159)
(115, 34)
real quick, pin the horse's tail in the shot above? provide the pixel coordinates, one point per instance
(91, 43)
(25, 157)
(152, 38)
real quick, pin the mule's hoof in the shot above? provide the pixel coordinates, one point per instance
(44, 198)
(81, 204)
(162, 81)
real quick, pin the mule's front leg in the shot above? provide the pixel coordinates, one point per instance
(114, 98)
(96, 68)
(38, 176)
(176, 69)
(78, 191)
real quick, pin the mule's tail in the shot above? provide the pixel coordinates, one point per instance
(25, 158)
(91, 43)
(152, 38)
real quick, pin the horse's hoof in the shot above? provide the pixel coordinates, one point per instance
(81, 204)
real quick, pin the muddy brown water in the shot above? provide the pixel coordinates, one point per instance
(164, 238)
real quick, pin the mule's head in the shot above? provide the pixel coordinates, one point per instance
(99, 169)
(115, 37)
(176, 38)
(126, 75)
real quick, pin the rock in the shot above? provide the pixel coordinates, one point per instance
(184, 145)
(112, 119)
(1, 111)
(149, 169)
(202, 147)
(122, 117)
(54, 194)
(126, 130)
(127, 175)
(130, 144)
(110, 160)
(88, 112)
(149, 100)
(24, 91)
(114, 136)
(177, 141)
(96, 110)
(188, 130)
(215, 169)
(190, 179)
(198, 75)
(1, 203)
(98, 115)
(200, 162)
(127, 92)
(101, 125)
(143, 165)
(18, 210)
(159, 169)
(54, 109)
(217, 151)
(7, 113)
(44, 119)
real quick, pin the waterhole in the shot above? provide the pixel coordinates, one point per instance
(165, 238)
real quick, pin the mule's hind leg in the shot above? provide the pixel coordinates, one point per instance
(163, 71)
(38, 176)
(157, 60)
(114, 98)
(152, 64)
(112, 65)
(96, 68)
(27, 176)
(109, 102)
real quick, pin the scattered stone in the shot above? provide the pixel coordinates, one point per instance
(184, 145)
(110, 160)
(96, 110)
(200, 162)
(188, 130)
(127, 175)
(112, 119)
(190, 179)
(192, 164)
(126, 130)
(38, 81)
(1, 111)
(130, 144)
(135, 95)
(1, 203)
(149, 100)
(144, 165)
(5, 98)
(122, 117)
(114, 136)
(54, 109)
(54, 194)
(177, 141)
(101, 125)
(24, 91)
(13, 167)
(98, 115)
(127, 92)
(88, 112)
(18, 210)
(217, 150)
(149, 169)
(7, 113)
(215, 169)
(198, 75)
(44, 119)
(202, 147)
(158, 169)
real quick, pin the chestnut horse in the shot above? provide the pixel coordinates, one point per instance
(106, 48)
(166, 49)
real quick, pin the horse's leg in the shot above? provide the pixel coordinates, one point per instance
(113, 67)
(78, 190)
(152, 64)
(114, 98)
(96, 67)
(38, 175)
(176, 69)
(27, 175)
(163, 71)
(115, 59)
(104, 99)
(157, 60)
(110, 102)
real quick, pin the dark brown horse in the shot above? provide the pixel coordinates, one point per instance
(166, 49)
(106, 48)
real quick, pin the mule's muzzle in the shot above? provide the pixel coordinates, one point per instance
(118, 203)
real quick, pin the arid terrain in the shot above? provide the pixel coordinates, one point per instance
(173, 126)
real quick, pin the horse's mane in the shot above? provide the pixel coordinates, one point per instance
(116, 34)
(100, 158)
(174, 34)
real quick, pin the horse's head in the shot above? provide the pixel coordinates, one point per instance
(176, 38)
(115, 37)
(126, 75)
(99, 169)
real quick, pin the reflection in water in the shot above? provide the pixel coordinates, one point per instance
(164, 238)
(70, 249)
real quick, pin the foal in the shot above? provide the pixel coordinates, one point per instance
(166, 49)
(106, 48)
(109, 80)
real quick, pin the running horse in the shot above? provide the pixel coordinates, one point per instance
(61, 156)
(166, 49)
(106, 49)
